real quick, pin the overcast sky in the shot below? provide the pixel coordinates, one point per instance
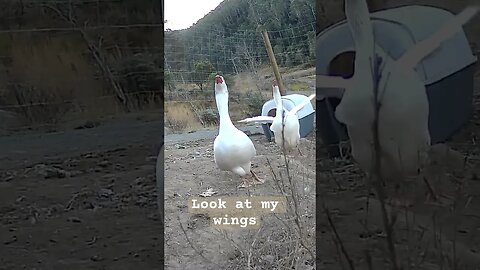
(181, 14)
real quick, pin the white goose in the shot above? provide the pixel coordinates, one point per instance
(233, 150)
(403, 114)
(283, 127)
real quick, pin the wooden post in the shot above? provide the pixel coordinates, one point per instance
(273, 61)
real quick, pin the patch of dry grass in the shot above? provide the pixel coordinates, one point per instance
(180, 116)
(297, 86)
(51, 78)
(52, 72)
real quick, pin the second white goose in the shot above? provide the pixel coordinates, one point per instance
(285, 125)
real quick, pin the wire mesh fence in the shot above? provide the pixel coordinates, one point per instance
(225, 44)
(241, 51)
(78, 59)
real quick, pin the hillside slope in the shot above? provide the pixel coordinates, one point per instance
(229, 37)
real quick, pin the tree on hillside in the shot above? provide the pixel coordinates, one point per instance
(202, 69)
(228, 38)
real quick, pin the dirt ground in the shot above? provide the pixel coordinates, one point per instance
(81, 199)
(191, 170)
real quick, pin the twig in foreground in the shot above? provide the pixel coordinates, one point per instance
(193, 246)
(337, 237)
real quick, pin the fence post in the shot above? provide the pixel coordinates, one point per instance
(273, 61)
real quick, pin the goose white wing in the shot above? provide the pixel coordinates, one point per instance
(258, 119)
(425, 47)
(297, 108)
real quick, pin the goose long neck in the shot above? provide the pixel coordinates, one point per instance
(278, 100)
(361, 27)
(222, 106)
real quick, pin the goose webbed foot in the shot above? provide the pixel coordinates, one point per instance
(258, 179)
(251, 180)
